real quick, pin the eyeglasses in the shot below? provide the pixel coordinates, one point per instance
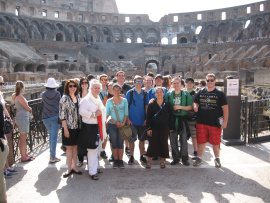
(70, 86)
(138, 82)
(84, 83)
(1, 83)
(210, 80)
(104, 80)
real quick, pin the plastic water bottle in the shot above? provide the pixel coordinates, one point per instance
(97, 140)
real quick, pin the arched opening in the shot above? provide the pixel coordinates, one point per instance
(139, 40)
(183, 40)
(82, 68)
(174, 40)
(62, 68)
(30, 68)
(72, 67)
(128, 40)
(198, 30)
(164, 40)
(59, 37)
(41, 68)
(60, 26)
(233, 66)
(151, 66)
(18, 68)
(121, 57)
(151, 35)
(117, 40)
(173, 69)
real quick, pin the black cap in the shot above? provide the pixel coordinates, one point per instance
(158, 76)
(190, 79)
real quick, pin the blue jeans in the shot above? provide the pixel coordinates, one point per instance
(183, 153)
(116, 139)
(52, 126)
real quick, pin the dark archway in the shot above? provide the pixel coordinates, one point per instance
(18, 68)
(41, 68)
(149, 63)
(59, 37)
(173, 69)
(30, 68)
(183, 40)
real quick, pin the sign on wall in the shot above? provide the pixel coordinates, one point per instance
(232, 87)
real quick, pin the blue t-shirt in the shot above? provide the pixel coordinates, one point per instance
(102, 95)
(121, 108)
(152, 94)
(136, 108)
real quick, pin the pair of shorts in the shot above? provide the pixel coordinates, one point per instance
(207, 133)
(138, 130)
(23, 124)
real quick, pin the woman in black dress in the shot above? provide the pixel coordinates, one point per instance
(159, 123)
(70, 118)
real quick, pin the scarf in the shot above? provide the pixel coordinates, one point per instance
(97, 101)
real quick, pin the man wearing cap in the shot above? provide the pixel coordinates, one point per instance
(192, 117)
(136, 98)
(212, 107)
(50, 99)
(152, 92)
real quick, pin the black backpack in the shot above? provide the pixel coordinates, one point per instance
(131, 97)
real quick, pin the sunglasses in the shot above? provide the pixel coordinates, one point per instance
(103, 80)
(1, 83)
(210, 80)
(84, 83)
(138, 82)
(70, 86)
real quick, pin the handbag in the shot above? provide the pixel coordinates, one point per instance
(125, 131)
(7, 126)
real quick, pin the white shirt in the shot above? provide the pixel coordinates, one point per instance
(87, 108)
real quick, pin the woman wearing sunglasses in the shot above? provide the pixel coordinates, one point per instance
(69, 116)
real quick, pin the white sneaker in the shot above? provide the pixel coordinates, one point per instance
(54, 159)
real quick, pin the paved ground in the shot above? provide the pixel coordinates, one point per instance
(244, 177)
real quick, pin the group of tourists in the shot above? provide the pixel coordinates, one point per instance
(93, 111)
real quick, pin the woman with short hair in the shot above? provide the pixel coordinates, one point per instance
(23, 112)
(70, 118)
(91, 107)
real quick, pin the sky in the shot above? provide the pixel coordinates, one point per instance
(156, 9)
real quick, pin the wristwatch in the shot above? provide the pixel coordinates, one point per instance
(94, 114)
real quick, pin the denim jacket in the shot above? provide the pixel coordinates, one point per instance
(69, 112)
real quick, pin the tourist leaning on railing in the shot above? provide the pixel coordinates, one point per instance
(50, 99)
(23, 113)
(70, 118)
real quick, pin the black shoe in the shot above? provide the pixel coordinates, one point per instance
(121, 164)
(103, 155)
(131, 160)
(143, 159)
(64, 148)
(111, 159)
(127, 151)
(174, 162)
(185, 162)
(115, 164)
(67, 174)
(78, 173)
(154, 158)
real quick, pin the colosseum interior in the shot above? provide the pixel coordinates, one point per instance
(63, 38)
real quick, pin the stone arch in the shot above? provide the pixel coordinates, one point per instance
(36, 24)
(59, 37)
(41, 68)
(210, 33)
(260, 27)
(3, 32)
(183, 40)
(60, 26)
(82, 68)
(243, 65)
(117, 35)
(106, 34)
(129, 34)
(164, 40)
(18, 68)
(72, 67)
(174, 40)
(62, 68)
(83, 31)
(30, 68)
(151, 35)
(232, 66)
(9, 20)
(22, 22)
(139, 34)
(47, 26)
(149, 62)
(94, 34)
(73, 33)
(222, 32)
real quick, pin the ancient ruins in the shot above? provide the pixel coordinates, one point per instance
(64, 38)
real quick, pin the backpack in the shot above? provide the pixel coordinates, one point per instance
(131, 97)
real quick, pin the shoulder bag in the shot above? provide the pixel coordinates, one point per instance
(125, 131)
(7, 126)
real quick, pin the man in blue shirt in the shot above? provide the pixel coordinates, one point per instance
(158, 82)
(136, 98)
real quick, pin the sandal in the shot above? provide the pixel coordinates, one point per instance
(80, 164)
(162, 165)
(99, 171)
(148, 165)
(94, 177)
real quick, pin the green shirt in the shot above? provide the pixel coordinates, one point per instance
(182, 99)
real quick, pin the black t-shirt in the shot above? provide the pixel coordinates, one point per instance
(125, 89)
(210, 106)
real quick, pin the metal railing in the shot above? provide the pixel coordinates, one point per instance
(37, 132)
(255, 120)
